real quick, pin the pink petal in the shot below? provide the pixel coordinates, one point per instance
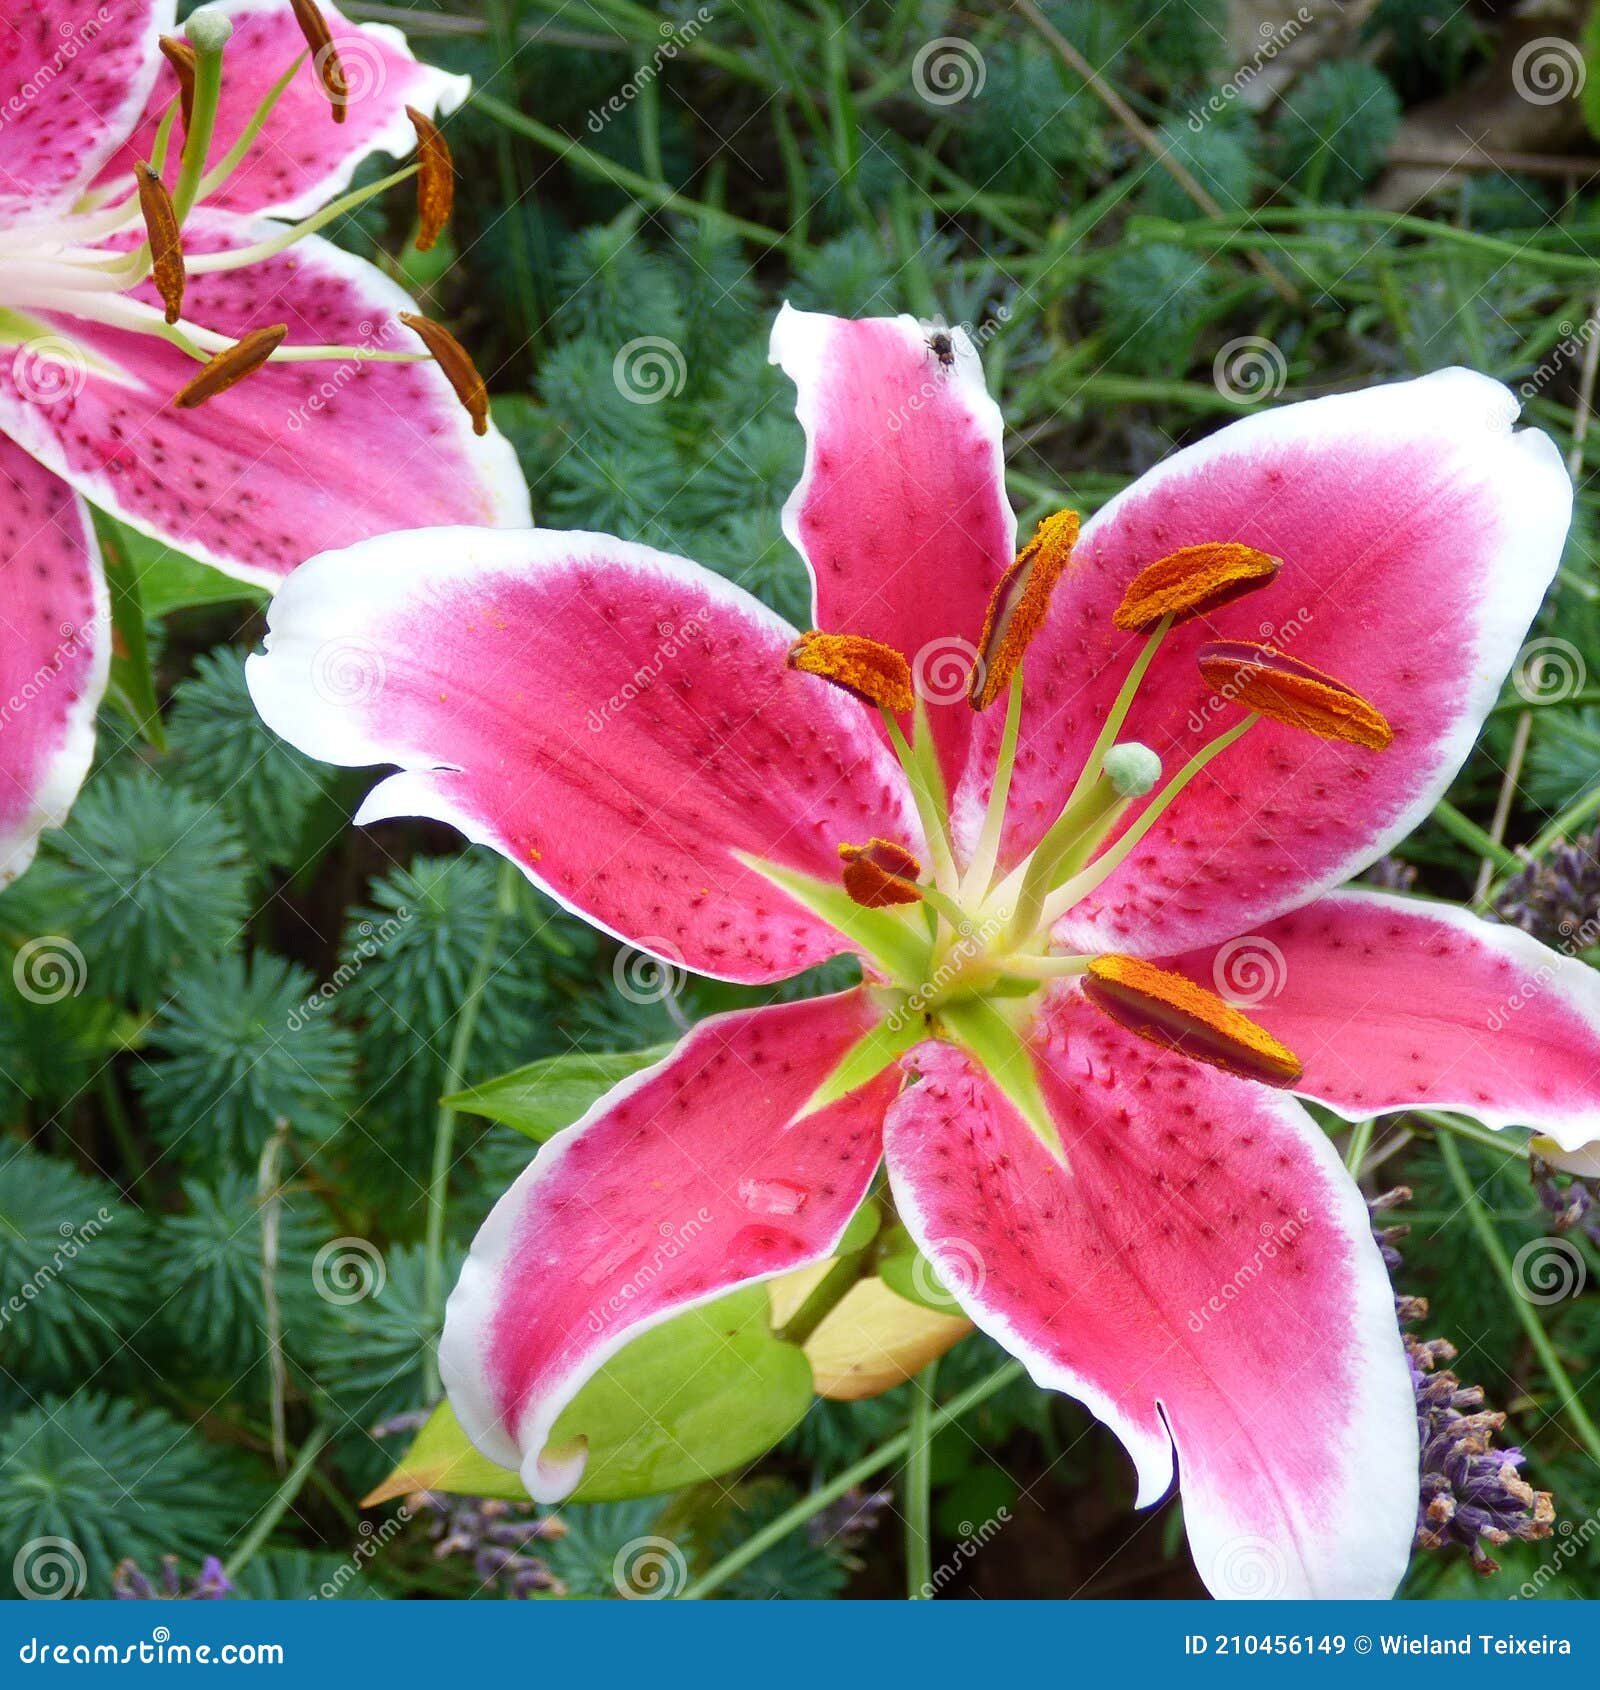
(74, 75)
(302, 158)
(685, 1181)
(1418, 535)
(296, 458)
(1392, 1003)
(55, 649)
(615, 720)
(1203, 1278)
(901, 512)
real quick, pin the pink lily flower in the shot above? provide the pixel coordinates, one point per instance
(1084, 1095)
(352, 430)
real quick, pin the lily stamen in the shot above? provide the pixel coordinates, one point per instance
(1272, 683)
(866, 669)
(181, 57)
(165, 239)
(1171, 1010)
(1193, 581)
(243, 358)
(1018, 606)
(436, 180)
(324, 55)
(880, 874)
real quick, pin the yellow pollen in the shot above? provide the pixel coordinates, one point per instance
(451, 357)
(166, 242)
(1018, 606)
(324, 55)
(1170, 1010)
(880, 873)
(1191, 582)
(436, 180)
(181, 57)
(1274, 684)
(240, 360)
(874, 673)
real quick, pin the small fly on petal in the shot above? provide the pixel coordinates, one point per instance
(436, 180)
(1018, 606)
(324, 54)
(1191, 582)
(874, 673)
(166, 240)
(1272, 683)
(451, 357)
(881, 873)
(240, 360)
(1170, 1010)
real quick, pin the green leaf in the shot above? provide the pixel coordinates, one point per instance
(171, 580)
(542, 1097)
(699, 1395)
(130, 686)
(915, 1278)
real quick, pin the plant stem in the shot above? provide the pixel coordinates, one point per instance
(1470, 1129)
(919, 1485)
(122, 1136)
(874, 1461)
(293, 1481)
(1466, 831)
(1494, 1248)
(444, 1130)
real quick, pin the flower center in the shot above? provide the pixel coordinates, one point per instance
(970, 961)
(89, 262)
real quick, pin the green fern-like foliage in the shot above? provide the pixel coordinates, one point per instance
(1334, 128)
(53, 1045)
(66, 1239)
(227, 755)
(146, 878)
(206, 1263)
(243, 1044)
(369, 1351)
(846, 276)
(111, 1479)
(303, 1575)
(608, 1543)
(1153, 301)
(794, 1569)
(1221, 156)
